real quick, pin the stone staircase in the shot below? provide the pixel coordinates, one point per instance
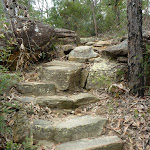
(60, 88)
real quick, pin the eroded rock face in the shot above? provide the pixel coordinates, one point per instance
(103, 73)
(35, 35)
(22, 128)
(65, 36)
(29, 40)
(82, 54)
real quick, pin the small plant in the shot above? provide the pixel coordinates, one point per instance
(13, 146)
(136, 113)
(27, 145)
(101, 80)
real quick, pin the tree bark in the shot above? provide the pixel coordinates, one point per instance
(117, 11)
(135, 47)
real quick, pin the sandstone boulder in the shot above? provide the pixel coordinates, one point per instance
(36, 36)
(82, 54)
(103, 73)
(117, 50)
(64, 75)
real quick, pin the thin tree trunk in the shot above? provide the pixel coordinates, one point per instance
(94, 16)
(117, 11)
(135, 47)
(5, 10)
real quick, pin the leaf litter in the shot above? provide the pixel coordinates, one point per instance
(128, 116)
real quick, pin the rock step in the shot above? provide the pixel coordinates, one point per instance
(65, 75)
(101, 143)
(69, 129)
(36, 88)
(62, 102)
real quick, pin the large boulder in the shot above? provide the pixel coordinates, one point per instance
(35, 35)
(35, 40)
(120, 49)
(82, 54)
(103, 73)
(64, 75)
(30, 40)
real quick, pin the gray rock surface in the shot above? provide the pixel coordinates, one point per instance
(83, 98)
(63, 64)
(82, 54)
(101, 143)
(78, 128)
(55, 102)
(68, 129)
(22, 127)
(36, 88)
(62, 102)
(43, 130)
(102, 74)
(27, 99)
(62, 77)
(117, 50)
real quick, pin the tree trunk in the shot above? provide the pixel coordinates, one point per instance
(94, 16)
(5, 10)
(135, 47)
(117, 11)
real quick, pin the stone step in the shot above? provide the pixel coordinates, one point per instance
(36, 88)
(69, 129)
(101, 143)
(65, 75)
(63, 63)
(62, 102)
